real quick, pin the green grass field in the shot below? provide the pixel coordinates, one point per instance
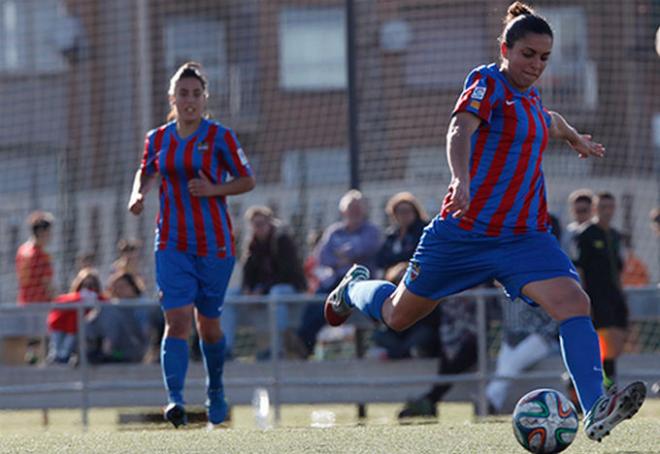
(454, 432)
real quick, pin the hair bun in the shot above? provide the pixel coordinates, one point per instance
(517, 9)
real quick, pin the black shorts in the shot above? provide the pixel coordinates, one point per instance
(609, 312)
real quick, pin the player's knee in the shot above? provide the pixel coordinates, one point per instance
(396, 321)
(573, 303)
(178, 327)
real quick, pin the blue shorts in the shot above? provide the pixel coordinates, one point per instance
(449, 260)
(187, 278)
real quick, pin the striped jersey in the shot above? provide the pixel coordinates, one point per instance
(507, 189)
(196, 225)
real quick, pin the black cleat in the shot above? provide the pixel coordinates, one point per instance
(175, 414)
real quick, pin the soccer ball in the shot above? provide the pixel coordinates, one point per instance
(545, 421)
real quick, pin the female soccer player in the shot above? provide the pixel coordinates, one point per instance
(493, 223)
(194, 244)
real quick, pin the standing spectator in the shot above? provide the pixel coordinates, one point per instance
(272, 266)
(408, 218)
(600, 264)
(580, 202)
(63, 323)
(351, 240)
(192, 158)
(34, 271)
(33, 263)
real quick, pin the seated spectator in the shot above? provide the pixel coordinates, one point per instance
(114, 333)
(271, 266)
(418, 341)
(352, 240)
(407, 222)
(63, 323)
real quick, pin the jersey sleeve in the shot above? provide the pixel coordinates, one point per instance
(148, 165)
(233, 156)
(479, 97)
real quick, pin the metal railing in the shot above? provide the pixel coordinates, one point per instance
(277, 380)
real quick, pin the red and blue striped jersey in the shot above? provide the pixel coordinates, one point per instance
(197, 225)
(507, 189)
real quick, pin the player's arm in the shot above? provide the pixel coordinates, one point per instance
(204, 187)
(581, 143)
(459, 136)
(142, 183)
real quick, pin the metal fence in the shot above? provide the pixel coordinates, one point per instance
(646, 308)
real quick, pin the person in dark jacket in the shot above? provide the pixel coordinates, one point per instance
(408, 219)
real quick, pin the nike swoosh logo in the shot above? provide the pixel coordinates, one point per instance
(509, 103)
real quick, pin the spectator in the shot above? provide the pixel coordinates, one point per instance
(352, 240)
(63, 323)
(33, 263)
(34, 271)
(528, 336)
(635, 272)
(581, 206)
(600, 264)
(408, 218)
(271, 266)
(115, 332)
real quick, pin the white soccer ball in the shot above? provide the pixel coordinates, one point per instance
(545, 421)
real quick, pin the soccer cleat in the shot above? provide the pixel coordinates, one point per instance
(176, 414)
(422, 407)
(216, 408)
(612, 408)
(336, 309)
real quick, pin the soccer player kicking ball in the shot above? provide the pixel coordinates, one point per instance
(494, 225)
(194, 157)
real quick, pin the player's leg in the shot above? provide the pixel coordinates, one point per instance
(567, 303)
(174, 360)
(176, 280)
(379, 300)
(213, 274)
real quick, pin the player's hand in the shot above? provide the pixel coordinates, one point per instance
(136, 204)
(457, 200)
(202, 186)
(586, 147)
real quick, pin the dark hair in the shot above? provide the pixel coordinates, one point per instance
(86, 278)
(133, 281)
(606, 195)
(40, 221)
(189, 70)
(521, 20)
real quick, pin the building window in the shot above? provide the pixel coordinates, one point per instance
(443, 50)
(571, 77)
(29, 32)
(202, 40)
(312, 49)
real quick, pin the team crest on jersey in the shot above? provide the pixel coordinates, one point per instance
(479, 93)
(414, 269)
(203, 146)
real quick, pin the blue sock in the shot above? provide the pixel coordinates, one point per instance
(174, 362)
(214, 361)
(369, 296)
(581, 353)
